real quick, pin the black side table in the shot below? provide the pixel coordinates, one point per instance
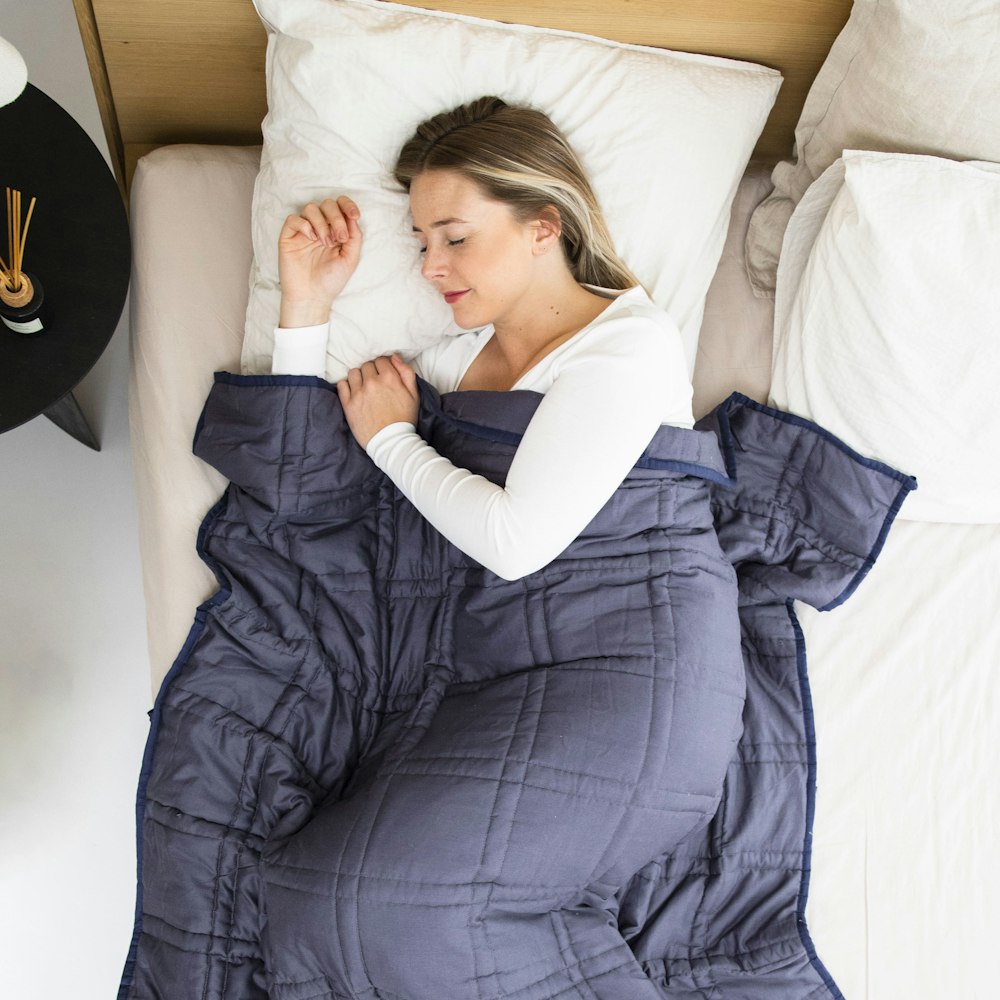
(79, 247)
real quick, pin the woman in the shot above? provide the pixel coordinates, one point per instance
(513, 753)
(513, 238)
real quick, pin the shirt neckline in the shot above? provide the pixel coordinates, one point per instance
(486, 333)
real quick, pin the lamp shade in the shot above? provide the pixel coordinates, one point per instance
(13, 73)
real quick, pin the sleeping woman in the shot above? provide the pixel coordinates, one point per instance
(512, 237)
(569, 723)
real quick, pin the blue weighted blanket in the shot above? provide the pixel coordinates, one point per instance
(376, 770)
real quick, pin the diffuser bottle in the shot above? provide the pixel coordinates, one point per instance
(21, 309)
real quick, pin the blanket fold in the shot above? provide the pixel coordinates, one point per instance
(378, 770)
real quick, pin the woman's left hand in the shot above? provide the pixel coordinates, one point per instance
(381, 392)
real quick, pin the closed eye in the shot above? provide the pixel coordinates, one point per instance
(451, 243)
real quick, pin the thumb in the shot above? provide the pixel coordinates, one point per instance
(355, 237)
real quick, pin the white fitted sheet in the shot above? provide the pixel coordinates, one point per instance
(190, 220)
(905, 880)
(904, 883)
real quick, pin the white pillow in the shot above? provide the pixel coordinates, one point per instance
(664, 137)
(887, 322)
(907, 76)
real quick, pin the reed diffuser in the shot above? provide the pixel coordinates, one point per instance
(21, 296)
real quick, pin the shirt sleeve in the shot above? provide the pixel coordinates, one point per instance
(300, 351)
(603, 408)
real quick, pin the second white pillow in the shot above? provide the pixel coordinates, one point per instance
(887, 322)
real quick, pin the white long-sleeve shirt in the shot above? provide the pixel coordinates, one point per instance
(607, 389)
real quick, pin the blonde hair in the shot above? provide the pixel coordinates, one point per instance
(517, 156)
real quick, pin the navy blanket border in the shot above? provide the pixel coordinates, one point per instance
(230, 378)
(194, 634)
(431, 399)
(907, 483)
(809, 724)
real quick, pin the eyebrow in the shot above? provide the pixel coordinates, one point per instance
(439, 223)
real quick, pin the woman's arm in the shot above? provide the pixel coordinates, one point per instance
(600, 413)
(300, 351)
(318, 251)
(603, 407)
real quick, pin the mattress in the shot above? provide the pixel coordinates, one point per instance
(902, 886)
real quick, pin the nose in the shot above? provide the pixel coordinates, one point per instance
(433, 265)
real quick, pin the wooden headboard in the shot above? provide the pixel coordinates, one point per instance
(169, 71)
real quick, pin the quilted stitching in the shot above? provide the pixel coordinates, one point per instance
(379, 771)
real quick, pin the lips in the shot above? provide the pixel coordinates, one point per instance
(452, 297)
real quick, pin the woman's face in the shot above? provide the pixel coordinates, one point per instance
(475, 252)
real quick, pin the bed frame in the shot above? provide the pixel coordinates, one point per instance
(169, 71)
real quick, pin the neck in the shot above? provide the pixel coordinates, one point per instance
(553, 311)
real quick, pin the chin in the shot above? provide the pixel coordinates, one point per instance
(465, 319)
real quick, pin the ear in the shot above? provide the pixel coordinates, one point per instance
(547, 229)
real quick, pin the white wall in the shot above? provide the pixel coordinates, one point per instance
(74, 671)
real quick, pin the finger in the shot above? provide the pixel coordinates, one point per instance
(343, 390)
(321, 222)
(350, 235)
(351, 249)
(406, 373)
(386, 366)
(313, 218)
(295, 225)
(335, 219)
(355, 379)
(349, 207)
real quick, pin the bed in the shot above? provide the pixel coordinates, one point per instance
(799, 306)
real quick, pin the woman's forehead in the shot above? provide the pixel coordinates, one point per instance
(439, 197)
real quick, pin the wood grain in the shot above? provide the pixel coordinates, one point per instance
(193, 70)
(102, 90)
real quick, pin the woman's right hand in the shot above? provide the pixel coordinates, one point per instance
(318, 251)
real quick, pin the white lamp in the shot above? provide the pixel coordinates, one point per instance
(20, 297)
(13, 73)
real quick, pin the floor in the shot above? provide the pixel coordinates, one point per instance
(74, 670)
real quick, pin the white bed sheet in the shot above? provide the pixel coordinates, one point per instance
(191, 253)
(905, 878)
(903, 883)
